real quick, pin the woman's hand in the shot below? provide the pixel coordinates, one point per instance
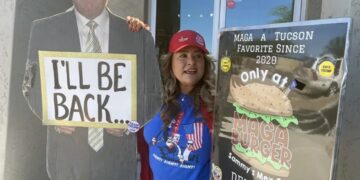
(135, 24)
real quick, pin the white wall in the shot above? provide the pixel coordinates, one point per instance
(335, 8)
(349, 142)
(7, 12)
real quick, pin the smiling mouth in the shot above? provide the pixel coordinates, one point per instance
(190, 71)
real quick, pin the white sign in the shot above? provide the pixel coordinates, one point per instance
(88, 89)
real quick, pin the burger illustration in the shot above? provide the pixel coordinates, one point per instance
(259, 132)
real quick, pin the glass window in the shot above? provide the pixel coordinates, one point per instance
(208, 16)
(175, 15)
(198, 15)
(257, 12)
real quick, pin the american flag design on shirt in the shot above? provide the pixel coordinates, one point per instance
(194, 132)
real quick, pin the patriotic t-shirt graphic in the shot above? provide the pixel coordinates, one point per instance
(182, 150)
(194, 134)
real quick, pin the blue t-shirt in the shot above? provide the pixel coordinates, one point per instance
(182, 151)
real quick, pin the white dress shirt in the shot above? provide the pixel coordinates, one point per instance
(101, 31)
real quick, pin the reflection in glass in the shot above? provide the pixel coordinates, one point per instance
(198, 15)
(257, 12)
(176, 15)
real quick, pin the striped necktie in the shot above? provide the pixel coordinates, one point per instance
(92, 42)
(95, 135)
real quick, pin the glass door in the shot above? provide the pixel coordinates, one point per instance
(238, 13)
(257, 12)
(170, 16)
(209, 16)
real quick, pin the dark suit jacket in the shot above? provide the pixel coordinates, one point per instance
(70, 156)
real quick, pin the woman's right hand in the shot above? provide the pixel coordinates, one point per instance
(135, 24)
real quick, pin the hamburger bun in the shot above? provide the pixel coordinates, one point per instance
(261, 98)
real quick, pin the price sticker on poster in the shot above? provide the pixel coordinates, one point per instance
(88, 89)
(278, 95)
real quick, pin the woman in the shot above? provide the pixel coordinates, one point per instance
(179, 135)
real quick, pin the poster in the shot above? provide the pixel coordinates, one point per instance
(279, 89)
(88, 89)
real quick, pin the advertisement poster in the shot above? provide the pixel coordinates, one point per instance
(84, 89)
(278, 97)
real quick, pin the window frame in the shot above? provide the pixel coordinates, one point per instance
(219, 19)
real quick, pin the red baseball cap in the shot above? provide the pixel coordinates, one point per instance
(186, 38)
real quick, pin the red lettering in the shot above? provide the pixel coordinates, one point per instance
(286, 156)
(267, 131)
(265, 148)
(281, 136)
(276, 153)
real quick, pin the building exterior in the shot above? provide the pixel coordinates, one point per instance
(22, 138)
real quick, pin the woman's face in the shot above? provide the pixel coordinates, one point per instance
(188, 66)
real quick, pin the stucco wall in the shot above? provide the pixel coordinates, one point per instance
(349, 142)
(7, 12)
(25, 136)
(335, 8)
(313, 9)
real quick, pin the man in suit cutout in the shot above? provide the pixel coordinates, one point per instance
(69, 156)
